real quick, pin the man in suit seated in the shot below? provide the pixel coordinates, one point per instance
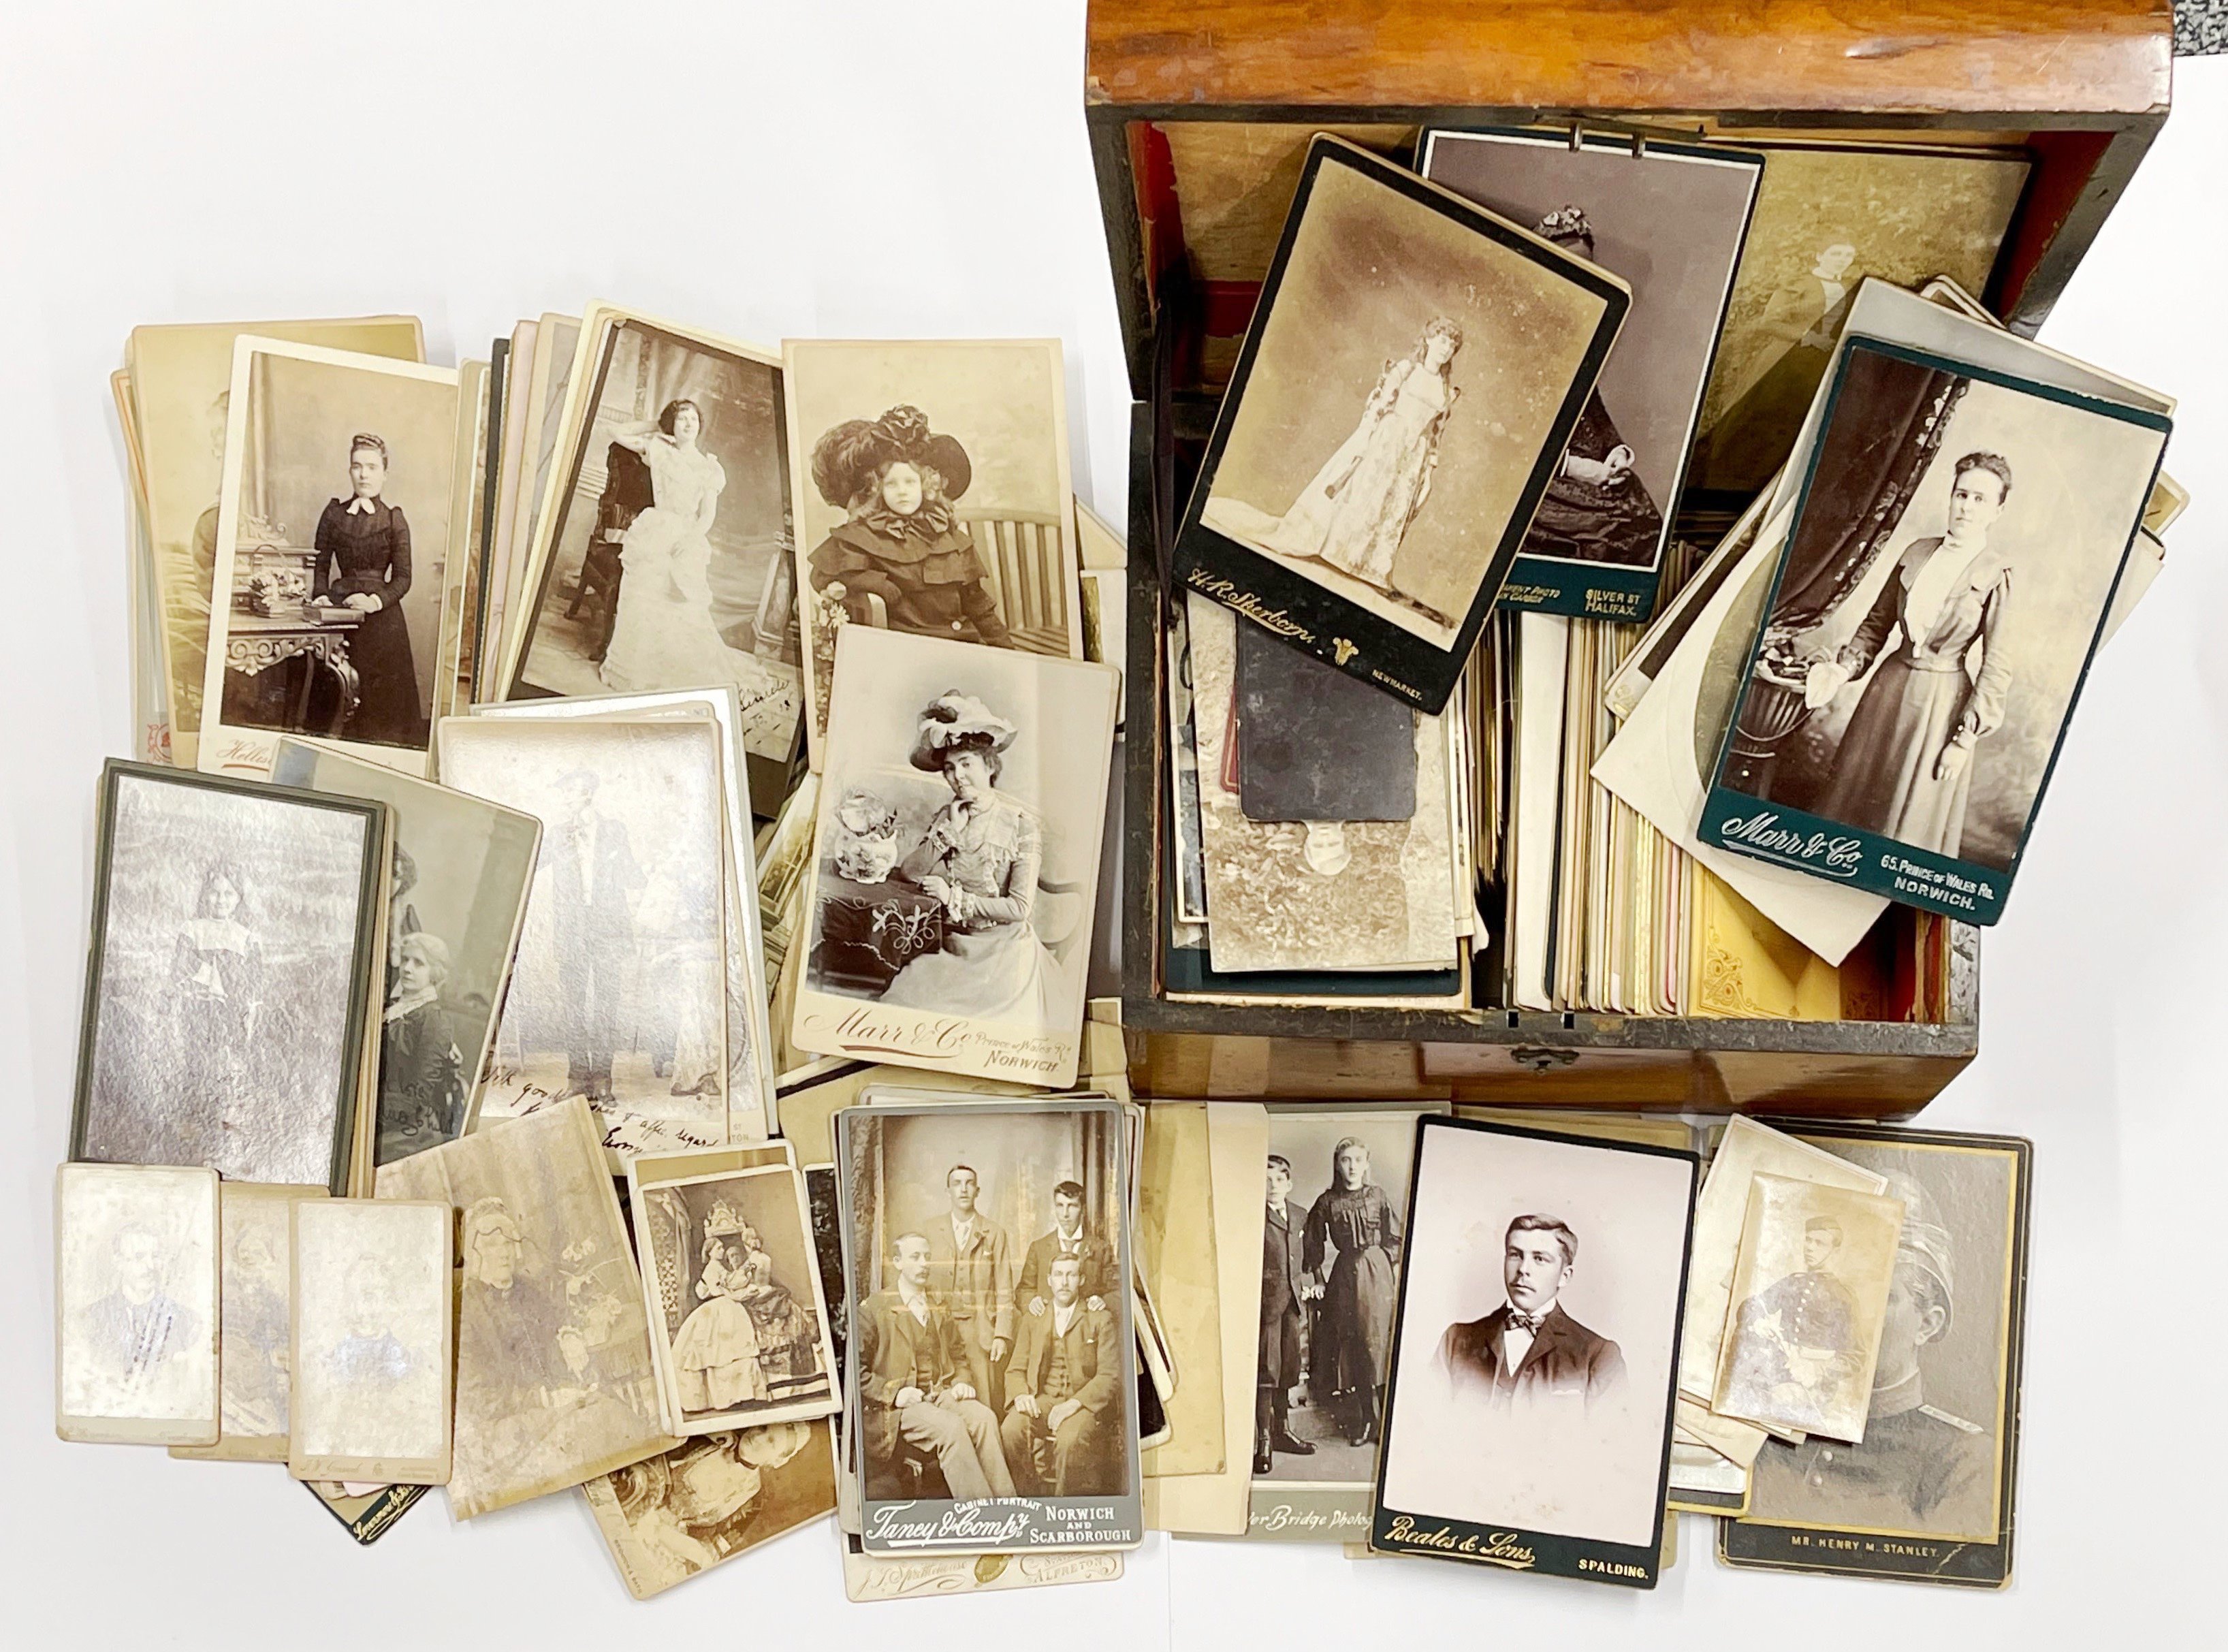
(914, 1389)
(1066, 1239)
(1064, 1393)
(1528, 1352)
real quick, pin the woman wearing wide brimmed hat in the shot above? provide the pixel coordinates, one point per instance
(979, 858)
(902, 542)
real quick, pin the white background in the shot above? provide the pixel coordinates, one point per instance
(919, 170)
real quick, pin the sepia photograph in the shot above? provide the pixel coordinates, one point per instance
(372, 1295)
(334, 541)
(665, 559)
(180, 377)
(1809, 1292)
(932, 496)
(1935, 1469)
(554, 1381)
(135, 1304)
(992, 1347)
(456, 899)
(961, 821)
(1951, 561)
(254, 1345)
(233, 935)
(1827, 216)
(619, 993)
(666, 1519)
(1415, 371)
(1670, 219)
(1533, 1366)
(736, 1312)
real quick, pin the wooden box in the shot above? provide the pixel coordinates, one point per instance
(1199, 113)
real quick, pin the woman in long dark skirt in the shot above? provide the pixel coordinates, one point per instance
(1354, 1229)
(363, 562)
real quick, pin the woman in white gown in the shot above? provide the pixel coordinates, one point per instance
(1356, 509)
(663, 636)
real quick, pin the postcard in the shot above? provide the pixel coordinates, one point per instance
(333, 536)
(1416, 370)
(221, 910)
(373, 1295)
(554, 1380)
(961, 817)
(979, 1426)
(668, 1518)
(254, 1351)
(1671, 218)
(1528, 1421)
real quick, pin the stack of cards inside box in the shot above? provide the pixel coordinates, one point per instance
(591, 980)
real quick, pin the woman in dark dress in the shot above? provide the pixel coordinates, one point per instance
(363, 562)
(1353, 1320)
(421, 1073)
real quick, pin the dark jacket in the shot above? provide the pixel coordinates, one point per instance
(1094, 1357)
(1565, 1360)
(1282, 1274)
(1036, 1269)
(935, 587)
(895, 1352)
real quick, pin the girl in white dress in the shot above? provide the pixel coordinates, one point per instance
(715, 1357)
(663, 636)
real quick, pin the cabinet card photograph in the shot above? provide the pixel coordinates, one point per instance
(180, 377)
(457, 899)
(962, 815)
(1827, 216)
(661, 554)
(668, 1518)
(1331, 1251)
(1928, 1495)
(1954, 549)
(932, 496)
(736, 1314)
(619, 991)
(1528, 1423)
(373, 1285)
(1670, 218)
(992, 1355)
(234, 935)
(135, 1304)
(554, 1380)
(335, 533)
(1415, 371)
(1809, 1292)
(255, 1325)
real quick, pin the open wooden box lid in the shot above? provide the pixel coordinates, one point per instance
(1200, 111)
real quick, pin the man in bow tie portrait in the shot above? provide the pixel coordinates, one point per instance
(1528, 1352)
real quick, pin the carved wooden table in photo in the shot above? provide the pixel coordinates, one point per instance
(255, 642)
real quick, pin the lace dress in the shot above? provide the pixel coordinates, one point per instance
(663, 636)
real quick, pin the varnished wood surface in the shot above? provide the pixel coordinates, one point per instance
(2070, 56)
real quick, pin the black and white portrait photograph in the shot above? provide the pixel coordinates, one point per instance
(1935, 1466)
(992, 1353)
(735, 1305)
(668, 1518)
(1670, 219)
(255, 1355)
(457, 899)
(232, 928)
(1414, 372)
(619, 993)
(957, 874)
(1944, 583)
(664, 561)
(932, 496)
(334, 541)
(1538, 1326)
(135, 1304)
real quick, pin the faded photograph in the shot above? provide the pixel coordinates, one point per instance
(554, 1382)
(230, 930)
(1941, 593)
(668, 1518)
(371, 1340)
(1825, 218)
(255, 1354)
(136, 1303)
(457, 893)
(669, 564)
(731, 1273)
(618, 992)
(1539, 1318)
(1403, 385)
(932, 496)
